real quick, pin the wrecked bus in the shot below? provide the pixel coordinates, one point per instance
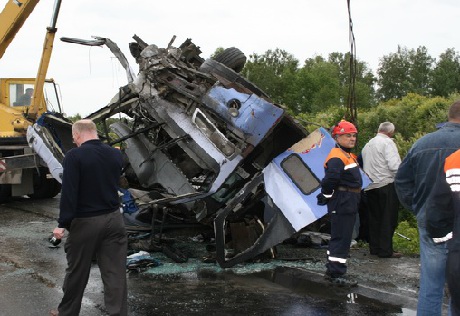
(207, 146)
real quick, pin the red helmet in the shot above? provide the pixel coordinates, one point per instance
(343, 127)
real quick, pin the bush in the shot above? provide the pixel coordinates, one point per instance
(404, 245)
(407, 216)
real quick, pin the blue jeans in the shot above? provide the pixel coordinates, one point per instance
(433, 259)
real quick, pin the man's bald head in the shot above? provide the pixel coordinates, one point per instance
(84, 130)
(454, 112)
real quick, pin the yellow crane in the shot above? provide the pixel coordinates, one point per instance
(22, 101)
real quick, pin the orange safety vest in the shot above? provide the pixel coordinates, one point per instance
(348, 159)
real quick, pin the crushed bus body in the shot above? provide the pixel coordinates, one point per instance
(204, 145)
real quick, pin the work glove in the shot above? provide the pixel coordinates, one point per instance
(322, 200)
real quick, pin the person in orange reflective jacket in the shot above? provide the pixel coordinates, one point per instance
(443, 224)
(452, 169)
(341, 192)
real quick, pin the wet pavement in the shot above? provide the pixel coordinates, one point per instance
(31, 276)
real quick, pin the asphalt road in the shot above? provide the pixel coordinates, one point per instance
(31, 276)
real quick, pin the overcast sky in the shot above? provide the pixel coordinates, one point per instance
(90, 76)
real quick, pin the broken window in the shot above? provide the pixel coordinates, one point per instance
(300, 174)
(213, 134)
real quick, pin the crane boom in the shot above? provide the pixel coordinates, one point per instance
(45, 60)
(12, 18)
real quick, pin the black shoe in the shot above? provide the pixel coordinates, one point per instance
(342, 281)
(393, 255)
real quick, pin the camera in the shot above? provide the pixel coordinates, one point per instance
(54, 241)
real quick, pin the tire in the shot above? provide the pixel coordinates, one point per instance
(233, 58)
(212, 66)
(5, 193)
(44, 188)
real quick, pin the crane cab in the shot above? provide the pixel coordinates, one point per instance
(15, 100)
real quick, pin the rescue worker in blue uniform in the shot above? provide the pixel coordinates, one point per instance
(341, 192)
(443, 224)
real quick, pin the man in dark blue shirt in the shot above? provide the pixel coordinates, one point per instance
(90, 211)
(341, 192)
(415, 182)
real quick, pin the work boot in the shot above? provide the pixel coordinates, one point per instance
(393, 255)
(342, 281)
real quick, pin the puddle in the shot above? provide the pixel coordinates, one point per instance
(313, 285)
(268, 292)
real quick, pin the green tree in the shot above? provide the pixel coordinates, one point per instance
(299, 93)
(420, 71)
(403, 72)
(364, 80)
(75, 118)
(273, 72)
(319, 84)
(325, 83)
(217, 51)
(392, 75)
(446, 74)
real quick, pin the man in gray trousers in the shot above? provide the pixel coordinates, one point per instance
(90, 211)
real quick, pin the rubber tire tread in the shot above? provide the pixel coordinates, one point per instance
(11, 141)
(44, 188)
(5, 193)
(233, 58)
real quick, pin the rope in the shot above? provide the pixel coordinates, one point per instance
(351, 106)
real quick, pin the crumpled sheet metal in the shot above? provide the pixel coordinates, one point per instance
(200, 130)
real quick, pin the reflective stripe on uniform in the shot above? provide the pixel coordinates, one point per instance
(335, 259)
(453, 172)
(453, 179)
(352, 165)
(452, 169)
(443, 239)
(329, 195)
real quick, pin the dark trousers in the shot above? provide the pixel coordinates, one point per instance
(363, 219)
(342, 209)
(383, 207)
(453, 281)
(103, 236)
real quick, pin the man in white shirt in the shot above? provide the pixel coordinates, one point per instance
(381, 161)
